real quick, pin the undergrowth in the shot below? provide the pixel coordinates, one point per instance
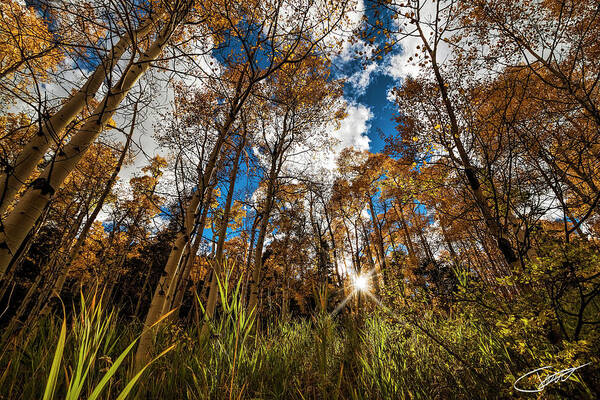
(347, 356)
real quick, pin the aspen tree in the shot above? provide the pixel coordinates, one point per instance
(273, 47)
(26, 212)
(219, 259)
(52, 127)
(430, 46)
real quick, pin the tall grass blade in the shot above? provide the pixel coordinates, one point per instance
(110, 373)
(58, 355)
(137, 376)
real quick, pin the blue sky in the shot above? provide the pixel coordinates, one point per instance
(368, 82)
(375, 98)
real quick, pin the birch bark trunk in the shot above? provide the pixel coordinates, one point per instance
(11, 181)
(26, 212)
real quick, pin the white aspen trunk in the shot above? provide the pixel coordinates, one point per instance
(185, 275)
(177, 286)
(255, 277)
(142, 355)
(211, 302)
(29, 208)
(182, 240)
(379, 251)
(11, 181)
(372, 263)
(262, 233)
(75, 250)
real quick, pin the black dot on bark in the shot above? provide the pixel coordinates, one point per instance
(43, 186)
(473, 181)
(507, 250)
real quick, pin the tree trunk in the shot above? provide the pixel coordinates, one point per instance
(285, 290)
(333, 246)
(181, 242)
(249, 257)
(160, 293)
(180, 287)
(409, 243)
(380, 270)
(258, 256)
(453, 255)
(28, 209)
(372, 263)
(50, 129)
(494, 227)
(426, 248)
(75, 250)
(141, 296)
(218, 262)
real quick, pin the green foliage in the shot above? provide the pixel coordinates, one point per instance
(322, 358)
(76, 370)
(54, 369)
(543, 315)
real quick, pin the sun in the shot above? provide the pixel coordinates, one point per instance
(361, 283)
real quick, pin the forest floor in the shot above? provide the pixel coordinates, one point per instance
(367, 355)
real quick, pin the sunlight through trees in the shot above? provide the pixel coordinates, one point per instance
(297, 199)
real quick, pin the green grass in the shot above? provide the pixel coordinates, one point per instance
(309, 359)
(74, 370)
(378, 356)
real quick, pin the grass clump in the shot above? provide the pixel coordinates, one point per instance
(376, 355)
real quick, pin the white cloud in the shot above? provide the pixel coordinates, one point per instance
(157, 85)
(351, 132)
(406, 63)
(318, 155)
(351, 49)
(360, 80)
(353, 128)
(398, 66)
